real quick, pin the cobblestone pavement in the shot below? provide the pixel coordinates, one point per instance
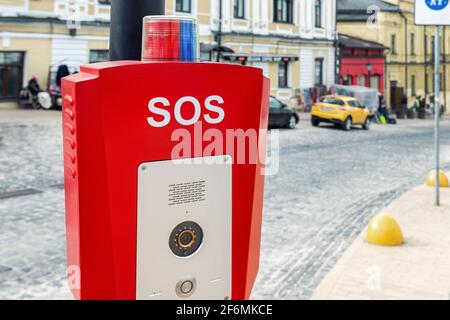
(329, 184)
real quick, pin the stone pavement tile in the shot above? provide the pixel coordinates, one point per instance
(329, 184)
(30, 155)
(19, 115)
(420, 269)
(32, 264)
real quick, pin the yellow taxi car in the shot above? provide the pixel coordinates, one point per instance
(342, 111)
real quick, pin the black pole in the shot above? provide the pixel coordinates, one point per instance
(219, 33)
(125, 40)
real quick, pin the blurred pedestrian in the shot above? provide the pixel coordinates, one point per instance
(63, 71)
(404, 102)
(33, 86)
(421, 111)
(380, 100)
(416, 103)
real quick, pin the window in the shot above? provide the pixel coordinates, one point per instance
(413, 85)
(11, 74)
(318, 13)
(354, 103)
(347, 80)
(413, 44)
(275, 103)
(432, 47)
(183, 6)
(283, 73)
(361, 80)
(318, 71)
(375, 82)
(98, 56)
(434, 83)
(205, 56)
(394, 44)
(427, 87)
(283, 11)
(330, 100)
(239, 9)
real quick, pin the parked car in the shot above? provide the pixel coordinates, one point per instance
(281, 116)
(342, 111)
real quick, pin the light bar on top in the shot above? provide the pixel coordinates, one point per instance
(169, 38)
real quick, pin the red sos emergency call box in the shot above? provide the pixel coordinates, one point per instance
(160, 202)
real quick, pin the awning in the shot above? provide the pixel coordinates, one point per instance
(206, 47)
(244, 57)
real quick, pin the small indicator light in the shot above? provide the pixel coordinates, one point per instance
(170, 38)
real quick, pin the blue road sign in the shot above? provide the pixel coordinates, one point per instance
(437, 4)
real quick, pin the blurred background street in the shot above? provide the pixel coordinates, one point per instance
(333, 60)
(330, 183)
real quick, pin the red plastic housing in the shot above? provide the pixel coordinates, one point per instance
(107, 136)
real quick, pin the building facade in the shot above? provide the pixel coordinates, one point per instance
(410, 59)
(293, 41)
(36, 36)
(361, 62)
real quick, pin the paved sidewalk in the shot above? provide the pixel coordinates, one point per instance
(21, 115)
(329, 184)
(420, 269)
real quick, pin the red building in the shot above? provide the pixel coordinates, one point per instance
(362, 63)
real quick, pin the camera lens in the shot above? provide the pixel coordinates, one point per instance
(186, 239)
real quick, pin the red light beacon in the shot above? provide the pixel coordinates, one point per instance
(147, 219)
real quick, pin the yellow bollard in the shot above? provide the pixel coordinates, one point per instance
(443, 179)
(383, 230)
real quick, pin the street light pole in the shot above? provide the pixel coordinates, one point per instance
(437, 109)
(125, 40)
(369, 73)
